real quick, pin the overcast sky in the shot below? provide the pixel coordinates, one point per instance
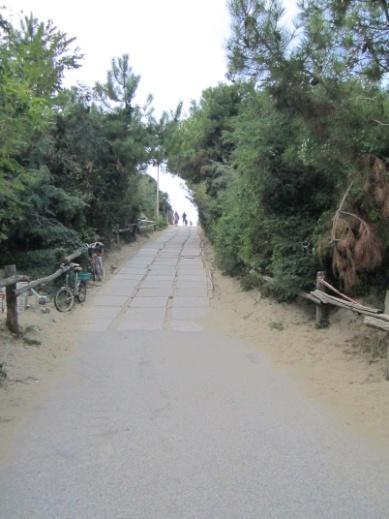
(176, 46)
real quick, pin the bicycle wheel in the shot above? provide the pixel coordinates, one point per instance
(64, 299)
(99, 268)
(81, 292)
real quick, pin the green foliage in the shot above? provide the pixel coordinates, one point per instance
(161, 222)
(276, 325)
(71, 161)
(270, 156)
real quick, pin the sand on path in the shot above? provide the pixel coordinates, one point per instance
(330, 365)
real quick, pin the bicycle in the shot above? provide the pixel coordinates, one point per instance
(74, 288)
(95, 256)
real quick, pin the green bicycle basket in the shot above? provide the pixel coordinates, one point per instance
(84, 276)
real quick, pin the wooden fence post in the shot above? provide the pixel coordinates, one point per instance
(321, 309)
(387, 336)
(12, 310)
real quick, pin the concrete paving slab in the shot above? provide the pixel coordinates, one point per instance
(116, 281)
(184, 326)
(137, 325)
(191, 272)
(166, 262)
(137, 271)
(191, 292)
(157, 277)
(160, 279)
(142, 319)
(185, 283)
(148, 302)
(192, 260)
(98, 326)
(154, 292)
(109, 300)
(185, 302)
(128, 277)
(191, 253)
(188, 314)
(96, 314)
(191, 277)
(144, 314)
(149, 250)
(161, 271)
(119, 288)
(136, 264)
(155, 283)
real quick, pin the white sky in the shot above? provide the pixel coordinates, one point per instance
(176, 46)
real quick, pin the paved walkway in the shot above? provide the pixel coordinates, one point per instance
(163, 287)
(159, 418)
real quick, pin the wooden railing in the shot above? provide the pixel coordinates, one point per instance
(12, 278)
(12, 292)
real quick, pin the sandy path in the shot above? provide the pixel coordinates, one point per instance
(157, 416)
(337, 366)
(328, 364)
(33, 369)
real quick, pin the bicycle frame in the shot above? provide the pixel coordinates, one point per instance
(75, 287)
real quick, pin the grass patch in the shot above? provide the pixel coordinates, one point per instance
(276, 325)
(30, 341)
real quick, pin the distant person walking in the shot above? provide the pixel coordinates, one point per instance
(176, 218)
(184, 218)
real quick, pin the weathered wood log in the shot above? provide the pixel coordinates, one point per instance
(376, 323)
(13, 280)
(310, 297)
(145, 225)
(72, 256)
(43, 281)
(381, 325)
(365, 310)
(325, 284)
(130, 227)
(12, 322)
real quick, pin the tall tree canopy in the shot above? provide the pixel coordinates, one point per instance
(271, 155)
(72, 161)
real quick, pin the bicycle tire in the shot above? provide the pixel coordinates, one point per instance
(81, 292)
(99, 269)
(64, 299)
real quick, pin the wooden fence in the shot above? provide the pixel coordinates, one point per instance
(373, 317)
(130, 230)
(12, 278)
(12, 292)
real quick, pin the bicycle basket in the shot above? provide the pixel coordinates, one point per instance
(84, 276)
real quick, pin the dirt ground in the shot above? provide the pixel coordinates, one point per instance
(340, 366)
(38, 358)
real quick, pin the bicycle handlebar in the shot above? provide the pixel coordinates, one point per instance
(94, 245)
